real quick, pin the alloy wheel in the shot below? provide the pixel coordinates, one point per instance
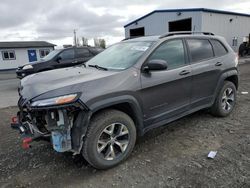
(113, 141)
(228, 99)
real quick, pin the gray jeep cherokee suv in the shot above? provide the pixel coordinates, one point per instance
(100, 108)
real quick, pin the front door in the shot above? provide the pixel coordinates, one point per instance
(167, 93)
(67, 58)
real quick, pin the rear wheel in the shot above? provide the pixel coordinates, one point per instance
(225, 101)
(110, 139)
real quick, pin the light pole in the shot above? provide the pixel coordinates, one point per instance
(75, 42)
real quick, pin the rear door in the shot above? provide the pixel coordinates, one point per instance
(82, 55)
(206, 71)
(166, 93)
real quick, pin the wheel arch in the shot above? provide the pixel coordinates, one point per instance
(234, 79)
(232, 76)
(126, 104)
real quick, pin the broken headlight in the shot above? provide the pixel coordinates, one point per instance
(55, 100)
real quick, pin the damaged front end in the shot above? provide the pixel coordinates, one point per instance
(62, 120)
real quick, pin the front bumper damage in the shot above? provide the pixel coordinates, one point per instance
(64, 126)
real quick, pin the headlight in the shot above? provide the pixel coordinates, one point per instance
(55, 101)
(27, 67)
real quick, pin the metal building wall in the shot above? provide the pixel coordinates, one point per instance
(157, 23)
(220, 24)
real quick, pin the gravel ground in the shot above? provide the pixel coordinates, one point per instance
(170, 156)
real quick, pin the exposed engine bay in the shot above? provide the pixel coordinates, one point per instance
(62, 125)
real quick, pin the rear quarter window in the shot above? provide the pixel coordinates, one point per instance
(200, 49)
(219, 48)
(82, 52)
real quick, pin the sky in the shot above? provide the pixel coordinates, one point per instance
(55, 20)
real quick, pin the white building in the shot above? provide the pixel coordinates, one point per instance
(14, 54)
(231, 25)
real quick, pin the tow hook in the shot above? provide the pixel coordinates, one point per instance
(14, 122)
(14, 119)
(16, 125)
(26, 143)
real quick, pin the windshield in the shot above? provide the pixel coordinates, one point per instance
(51, 55)
(120, 56)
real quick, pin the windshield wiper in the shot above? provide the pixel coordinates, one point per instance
(98, 67)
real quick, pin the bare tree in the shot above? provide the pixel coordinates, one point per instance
(84, 41)
(102, 43)
(96, 42)
(99, 43)
(78, 42)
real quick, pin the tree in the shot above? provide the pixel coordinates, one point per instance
(99, 43)
(96, 42)
(84, 41)
(102, 43)
(78, 42)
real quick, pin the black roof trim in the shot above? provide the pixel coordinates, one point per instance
(25, 44)
(168, 34)
(189, 10)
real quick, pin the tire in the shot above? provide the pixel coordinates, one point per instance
(100, 155)
(221, 108)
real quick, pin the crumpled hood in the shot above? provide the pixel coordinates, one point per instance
(39, 83)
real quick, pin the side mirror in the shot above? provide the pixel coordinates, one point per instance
(58, 59)
(155, 64)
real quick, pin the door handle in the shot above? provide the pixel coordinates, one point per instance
(184, 72)
(74, 61)
(218, 64)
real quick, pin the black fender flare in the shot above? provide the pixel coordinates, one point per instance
(223, 77)
(131, 100)
(82, 120)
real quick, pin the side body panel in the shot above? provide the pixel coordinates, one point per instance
(165, 94)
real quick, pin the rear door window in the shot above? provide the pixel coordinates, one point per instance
(67, 54)
(200, 49)
(219, 48)
(82, 53)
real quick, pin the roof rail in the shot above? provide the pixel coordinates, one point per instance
(184, 33)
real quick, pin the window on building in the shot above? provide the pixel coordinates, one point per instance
(44, 52)
(219, 48)
(235, 41)
(172, 52)
(9, 55)
(137, 32)
(200, 49)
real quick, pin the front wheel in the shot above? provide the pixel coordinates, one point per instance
(225, 101)
(109, 140)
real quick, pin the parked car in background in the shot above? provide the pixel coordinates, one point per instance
(58, 59)
(128, 89)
